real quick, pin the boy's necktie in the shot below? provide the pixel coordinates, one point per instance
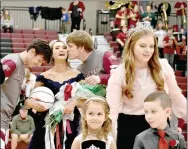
(163, 144)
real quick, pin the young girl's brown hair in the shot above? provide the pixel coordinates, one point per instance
(106, 127)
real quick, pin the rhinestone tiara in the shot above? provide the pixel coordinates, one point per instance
(140, 26)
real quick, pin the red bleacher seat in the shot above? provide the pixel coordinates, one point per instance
(28, 40)
(16, 35)
(39, 32)
(182, 57)
(185, 135)
(18, 45)
(184, 92)
(37, 69)
(181, 79)
(183, 86)
(27, 31)
(184, 126)
(5, 35)
(29, 36)
(115, 48)
(113, 43)
(109, 38)
(107, 34)
(27, 44)
(52, 38)
(41, 36)
(118, 54)
(17, 40)
(51, 32)
(18, 50)
(17, 30)
(22, 145)
(179, 73)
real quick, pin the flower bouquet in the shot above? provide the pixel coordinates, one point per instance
(66, 94)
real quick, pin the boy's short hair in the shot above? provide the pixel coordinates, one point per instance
(162, 96)
(41, 48)
(81, 39)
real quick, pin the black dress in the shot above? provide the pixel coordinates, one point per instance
(38, 139)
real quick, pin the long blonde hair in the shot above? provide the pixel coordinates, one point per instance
(6, 16)
(154, 64)
(107, 125)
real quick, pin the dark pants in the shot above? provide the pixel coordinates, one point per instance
(10, 28)
(170, 58)
(38, 139)
(121, 49)
(75, 23)
(127, 128)
(161, 54)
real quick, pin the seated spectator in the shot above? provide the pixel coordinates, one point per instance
(158, 107)
(121, 37)
(120, 17)
(184, 41)
(180, 41)
(169, 50)
(160, 33)
(22, 128)
(148, 16)
(7, 22)
(133, 16)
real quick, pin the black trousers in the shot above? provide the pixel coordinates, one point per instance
(38, 139)
(127, 128)
(161, 54)
(75, 23)
(5, 29)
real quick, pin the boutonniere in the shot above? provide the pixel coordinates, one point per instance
(173, 143)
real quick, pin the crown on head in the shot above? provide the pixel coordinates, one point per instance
(140, 26)
(96, 98)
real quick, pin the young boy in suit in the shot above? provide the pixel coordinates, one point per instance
(157, 107)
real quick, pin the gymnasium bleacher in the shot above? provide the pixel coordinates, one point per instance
(19, 40)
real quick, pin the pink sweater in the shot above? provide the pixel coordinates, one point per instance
(143, 86)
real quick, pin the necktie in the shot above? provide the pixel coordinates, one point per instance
(163, 144)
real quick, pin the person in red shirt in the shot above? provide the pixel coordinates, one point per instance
(120, 16)
(121, 38)
(133, 16)
(76, 9)
(168, 46)
(181, 7)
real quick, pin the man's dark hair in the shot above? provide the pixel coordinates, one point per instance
(41, 48)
